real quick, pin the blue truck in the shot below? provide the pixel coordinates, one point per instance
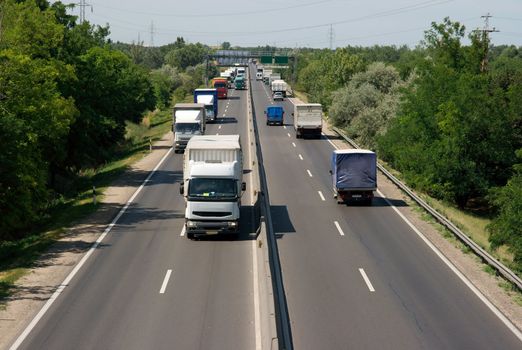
(274, 115)
(208, 97)
(354, 175)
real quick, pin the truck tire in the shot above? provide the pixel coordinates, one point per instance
(190, 235)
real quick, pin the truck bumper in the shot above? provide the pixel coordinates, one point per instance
(194, 228)
(302, 132)
(180, 146)
(363, 196)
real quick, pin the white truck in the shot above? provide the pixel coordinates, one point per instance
(188, 120)
(212, 185)
(308, 119)
(272, 77)
(279, 85)
(266, 75)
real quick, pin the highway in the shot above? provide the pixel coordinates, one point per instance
(149, 287)
(359, 277)
(355, 277)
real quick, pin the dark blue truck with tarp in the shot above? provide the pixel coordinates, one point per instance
(274, 115)
(208, 97)
(354, 175)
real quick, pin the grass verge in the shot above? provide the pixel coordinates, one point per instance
(16, 257)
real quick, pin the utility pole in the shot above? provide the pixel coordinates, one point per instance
(331, 36)
(484, 37)
(82, 4)
(151, 34)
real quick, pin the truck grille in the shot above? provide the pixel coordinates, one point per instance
(212, 213)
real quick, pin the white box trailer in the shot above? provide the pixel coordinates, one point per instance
(189, 119)
(279, 85)
(308, 119)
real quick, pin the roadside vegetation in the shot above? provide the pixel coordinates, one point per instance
(447, 116)
(76, 110)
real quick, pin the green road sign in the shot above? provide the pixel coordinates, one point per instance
(281, 59)
(266, 59)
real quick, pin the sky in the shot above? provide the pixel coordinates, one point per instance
(298, 23)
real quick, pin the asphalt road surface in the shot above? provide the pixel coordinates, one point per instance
(124, 297)
(359, 277)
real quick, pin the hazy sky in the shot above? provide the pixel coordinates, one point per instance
(303, 23)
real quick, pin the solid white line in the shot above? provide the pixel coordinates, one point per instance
(219, 127)
(367, 280)
(463, 278)
(165, 282)
(183, 231)
(293, 144)
(301, 157)
(257, 312)
(321, 195)
(309, 173)
(78, 266)
(327, 139)
(288, 134)
(339, 228)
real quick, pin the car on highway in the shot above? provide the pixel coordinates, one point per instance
(278, 96)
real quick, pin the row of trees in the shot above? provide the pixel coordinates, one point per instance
(66, 94)
(447, 115)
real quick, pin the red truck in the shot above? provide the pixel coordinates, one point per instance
(221, 84)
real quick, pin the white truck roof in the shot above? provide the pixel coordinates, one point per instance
(205, 99)
(187, 116)
(214, 141)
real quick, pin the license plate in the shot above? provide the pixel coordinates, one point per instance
(212, 232)
(356, 196)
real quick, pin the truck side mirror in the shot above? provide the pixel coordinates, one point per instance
(181, 188)
(243, 186)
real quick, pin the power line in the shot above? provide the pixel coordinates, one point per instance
(227, 14)
(484, 34)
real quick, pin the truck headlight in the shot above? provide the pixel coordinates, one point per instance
(191, 224)
(232, 224)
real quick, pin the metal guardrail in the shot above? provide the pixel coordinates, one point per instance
(503, 270)
(282, 319)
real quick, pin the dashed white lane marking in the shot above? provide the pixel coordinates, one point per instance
(301, 157)
(219, 127)
(288, 134)
(182, 234)
(223, 115)
(293, 144)
(217, 133)
(165, 281)
(321, 195)
(66, 282)
(367, 280)
(309, 173)
(339, 228)
(284, 126)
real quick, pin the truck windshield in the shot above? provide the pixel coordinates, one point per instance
(212, 189)
(209, 110)
(220, 85)
(186, 128)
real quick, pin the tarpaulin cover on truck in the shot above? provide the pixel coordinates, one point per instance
(354, 169)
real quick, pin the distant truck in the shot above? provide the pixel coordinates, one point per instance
(259, 73)
(274, 115)
(188, 120)
(354, 175)
(273, 77)
(212, 185)
(279, 86)
(308, 119)
(221, 84)
(208, 97)
(266, 76)
(240, 83)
